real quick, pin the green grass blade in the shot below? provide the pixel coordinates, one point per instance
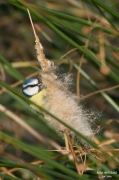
(108, 98)
(106, 7)
(8, 177)
(10, 69)
(38, 154)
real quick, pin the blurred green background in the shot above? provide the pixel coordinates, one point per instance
(82, 38)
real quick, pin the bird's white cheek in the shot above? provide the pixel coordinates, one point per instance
(31, 91)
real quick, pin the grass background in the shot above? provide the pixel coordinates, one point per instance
(81, 37)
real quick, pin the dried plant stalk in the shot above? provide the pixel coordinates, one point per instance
(44, 63)
(73, 153)
(59, 100)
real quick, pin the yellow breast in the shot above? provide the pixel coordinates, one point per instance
(38, 99)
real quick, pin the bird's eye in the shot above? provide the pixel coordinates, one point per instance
(31, 85)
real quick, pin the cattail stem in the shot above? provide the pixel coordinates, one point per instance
(73, 152)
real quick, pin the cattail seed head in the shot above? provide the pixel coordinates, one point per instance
(59, 100)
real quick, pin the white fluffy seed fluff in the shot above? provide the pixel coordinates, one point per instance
(64, 105)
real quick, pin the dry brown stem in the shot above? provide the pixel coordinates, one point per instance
(73, 152)
(45, 64)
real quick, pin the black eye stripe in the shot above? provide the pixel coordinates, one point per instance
(33, 85)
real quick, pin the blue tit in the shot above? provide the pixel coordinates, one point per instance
(33, 89)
